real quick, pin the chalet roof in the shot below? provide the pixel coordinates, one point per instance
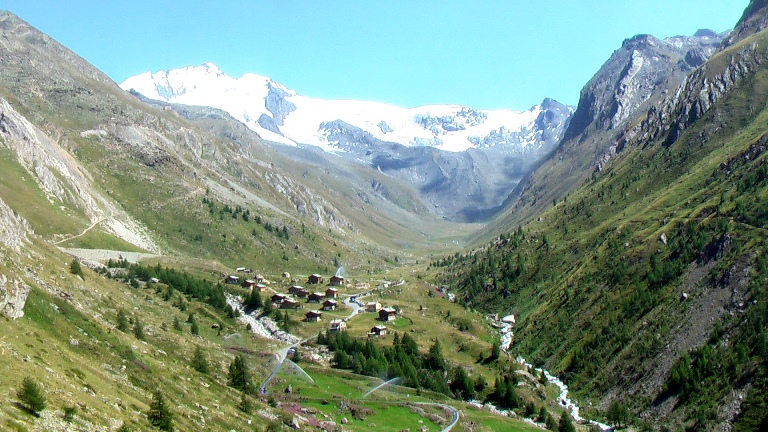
(388, 310)
(314, 313)
(380, 327)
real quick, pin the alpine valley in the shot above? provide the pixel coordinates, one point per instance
(192, 251)
(462, 162)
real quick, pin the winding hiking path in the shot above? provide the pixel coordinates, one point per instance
(85, 231)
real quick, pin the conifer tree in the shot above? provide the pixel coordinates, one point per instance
(240, 375)
(245, 404)
(566, 424)
(138, 330)
(199, 362)
(159, 414)
(31, 396)
(122, 321)
(177, 324)
(76, 269)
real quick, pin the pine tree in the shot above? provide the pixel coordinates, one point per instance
(195, 329)
(617, 414)
(495, 352)
(566, 424)
(76, 269)
(254, 300)
(461, 386)
(31, 395)
(122, 321)
(240, 375)
(159, 414)
(199, 362)
(138, 330)
(245, 404)
(435, 360)
(177, 324)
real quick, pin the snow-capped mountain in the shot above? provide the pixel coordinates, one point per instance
(281, 115)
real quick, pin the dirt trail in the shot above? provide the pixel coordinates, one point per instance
(93, 225)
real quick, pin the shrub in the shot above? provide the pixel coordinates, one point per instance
(69, 413)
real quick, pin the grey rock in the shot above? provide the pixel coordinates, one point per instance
(277, 104)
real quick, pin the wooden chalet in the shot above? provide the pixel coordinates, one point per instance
(372, 307)
(278, 298)
(330, 305)
(289, 304)
(313, 316)
(337, 281)
(378, 330)
(315, 297)
(332, 293)
(298, 291)
(249, 283)
(260, 287)
(337, 325)
(232, 280)
(315, 279)
(387, 314)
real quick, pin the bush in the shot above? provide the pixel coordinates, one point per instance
(69, 413)
(31, 396)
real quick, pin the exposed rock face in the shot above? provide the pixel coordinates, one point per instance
(62, 177)
(277, 104)
(13, 228)
(13, 297)
(640, 70)
(696, 95)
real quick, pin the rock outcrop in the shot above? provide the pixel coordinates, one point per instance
(13, 297)
(14, 229)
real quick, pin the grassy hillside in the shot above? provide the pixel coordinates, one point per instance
(645, 284)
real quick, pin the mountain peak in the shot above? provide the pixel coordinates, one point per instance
(705, 33)
(281, 115)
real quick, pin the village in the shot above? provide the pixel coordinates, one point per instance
(335, 300)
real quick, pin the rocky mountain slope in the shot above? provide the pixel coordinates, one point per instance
(637, 76)
(462, 162)
(644, 286)
(108, 170)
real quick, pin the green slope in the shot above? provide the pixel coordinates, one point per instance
(599, 293)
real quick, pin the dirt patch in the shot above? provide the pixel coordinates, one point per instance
(708, 301)
(104, 255)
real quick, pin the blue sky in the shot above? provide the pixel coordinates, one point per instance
(484, 54)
